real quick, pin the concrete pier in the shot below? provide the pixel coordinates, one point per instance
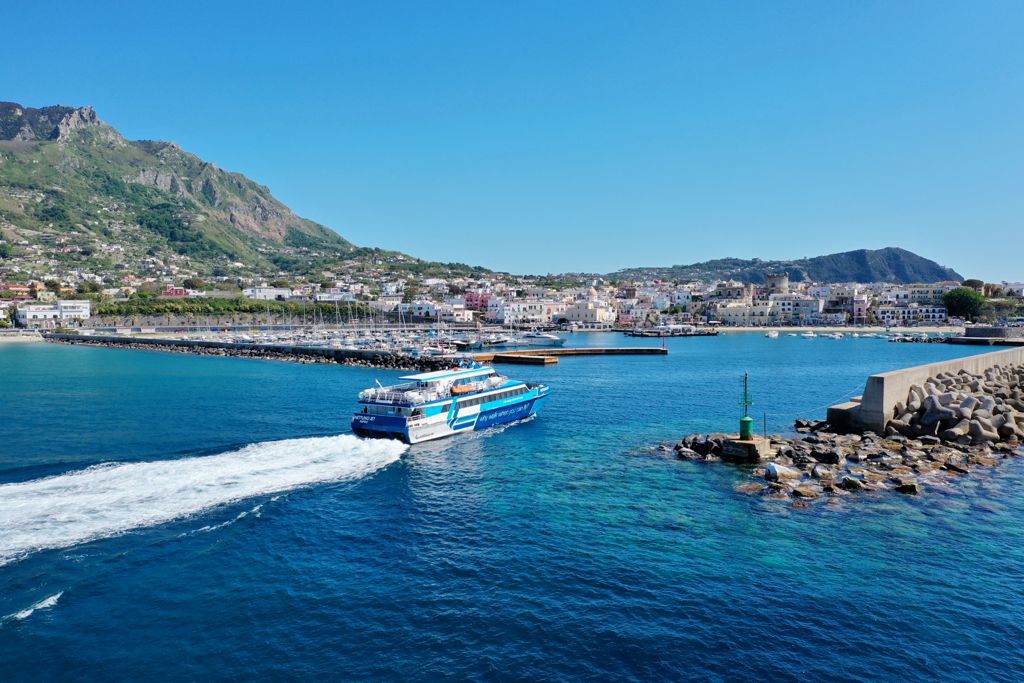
(550, 356)
(882, 392)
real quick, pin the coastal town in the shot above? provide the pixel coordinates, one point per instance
(75, 298)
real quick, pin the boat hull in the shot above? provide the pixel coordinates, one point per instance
(388, 427)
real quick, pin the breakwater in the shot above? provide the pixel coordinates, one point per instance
(882, 392)
(943, 427)
(283, 352)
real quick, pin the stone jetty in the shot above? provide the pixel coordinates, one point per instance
(294, 354)
(948, 426)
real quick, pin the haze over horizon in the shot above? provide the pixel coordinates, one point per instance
(578, 137)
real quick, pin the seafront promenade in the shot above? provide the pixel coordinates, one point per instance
(846, 329)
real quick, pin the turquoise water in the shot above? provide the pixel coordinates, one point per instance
(563, 547)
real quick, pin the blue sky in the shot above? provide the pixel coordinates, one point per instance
(556, 136)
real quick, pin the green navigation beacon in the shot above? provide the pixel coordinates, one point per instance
(746, 422)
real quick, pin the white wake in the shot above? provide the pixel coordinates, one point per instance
(45, 603)
(109, 499)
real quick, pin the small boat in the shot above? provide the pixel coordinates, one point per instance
(808, 335)
(772, 334)
(432, 405)
(534, 339)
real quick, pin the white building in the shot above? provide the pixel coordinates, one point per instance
(455, 313)
(267, 293)
(55, 314)
(525, 311)
(335, 294)
(900, 315)
(931, 294)
(419, 309)
(1013, 289)
(589, 313)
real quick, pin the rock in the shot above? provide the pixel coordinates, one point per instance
(953, 466)
(829, 456)
(750, 489)
(822, 472)
(851, 484)
(807, 491)
(909, 487)
(776, 472)
(688, 454)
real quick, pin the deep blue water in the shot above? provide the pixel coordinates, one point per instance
(563, 547)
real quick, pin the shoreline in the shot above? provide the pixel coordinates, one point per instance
(867, 329)
(19, 338)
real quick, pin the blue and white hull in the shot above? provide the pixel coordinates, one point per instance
(454, 414)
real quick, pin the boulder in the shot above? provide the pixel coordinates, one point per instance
(909, 487)
(688, 454)
(750, 488)
(829, 456)
(776, 472)
(851, 484)
(823, 472)
(807, 491)
(956, 467)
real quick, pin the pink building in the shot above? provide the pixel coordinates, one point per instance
(477, 301)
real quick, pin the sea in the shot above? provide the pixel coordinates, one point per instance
(183, 518)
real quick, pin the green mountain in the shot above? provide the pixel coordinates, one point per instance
(75, 193)
(863, 265)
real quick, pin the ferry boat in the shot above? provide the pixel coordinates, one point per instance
(534, 339)
(431, 405)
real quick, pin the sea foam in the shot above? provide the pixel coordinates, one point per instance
(45, 603)
(112, 498)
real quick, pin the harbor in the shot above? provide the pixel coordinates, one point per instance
(188, 435)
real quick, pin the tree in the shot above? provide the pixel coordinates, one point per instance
(974, 284)
(193, 283)
(88, 287)
(53, 286)
(410, 292)
(963, 302)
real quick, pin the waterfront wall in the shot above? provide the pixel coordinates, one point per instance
(883, 391)
(995, 332)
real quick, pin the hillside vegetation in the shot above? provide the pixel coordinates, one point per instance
(863, 265)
